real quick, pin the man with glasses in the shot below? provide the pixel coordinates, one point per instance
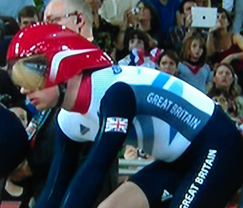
(74, 14)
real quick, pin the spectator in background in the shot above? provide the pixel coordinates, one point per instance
(183, 29)
(225, 89)
(166, 10)
(105, 34)
(137, 44)
(185, 10)
(193, 69)
(28, 15)
(168, 62)
(224, 46)
(203, 3)
(11, 9)
(143, 17)
(20, 110)
(63, 13)
(113, 10)
(12, 193)
(225, 79)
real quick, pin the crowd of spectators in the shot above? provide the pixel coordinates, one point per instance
(150, 33)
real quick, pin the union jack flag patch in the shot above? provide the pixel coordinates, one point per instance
(116, 124)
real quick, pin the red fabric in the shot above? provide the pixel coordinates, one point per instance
(219, 56)
(141, 54)
(84, 95)
(194, 69)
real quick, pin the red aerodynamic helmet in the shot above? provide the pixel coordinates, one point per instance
(66, 53)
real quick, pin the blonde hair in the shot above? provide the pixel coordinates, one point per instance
(235, 89)
(186, 49)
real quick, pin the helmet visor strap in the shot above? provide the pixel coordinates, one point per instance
(62, 90)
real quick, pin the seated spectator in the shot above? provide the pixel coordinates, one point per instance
(28, 15)
(113, 10)
(167, 12)
(203, 3)
(183, 30)
(185, 16)
(11, 192)
(137, 44)
(224, 78)
(20, 110)
(168, 62)
(220, 97)
(12, 9)
(105, 34)
(224, 46)
(143, 17)
(226, 91)
(193, 69)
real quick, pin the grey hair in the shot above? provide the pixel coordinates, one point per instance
(80, 6)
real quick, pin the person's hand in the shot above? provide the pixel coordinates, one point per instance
(181, 19)
(189, 33)
(130, 152)
(153, 43)
(228, 59)
(131, 17)
(215, 27)
(124, 24)
(188, 20)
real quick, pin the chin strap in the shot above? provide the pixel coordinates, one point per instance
(62, 90)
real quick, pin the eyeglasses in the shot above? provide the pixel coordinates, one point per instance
(54, 20)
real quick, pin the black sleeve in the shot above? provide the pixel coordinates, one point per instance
(13, 142)
(117, 111)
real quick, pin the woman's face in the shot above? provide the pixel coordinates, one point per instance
(167, 65)
(223, 78)
(136, 43)
(44, 98)
(196, 50)
(222, 19)
(31, 79)
(222, 101)
(144, 12)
